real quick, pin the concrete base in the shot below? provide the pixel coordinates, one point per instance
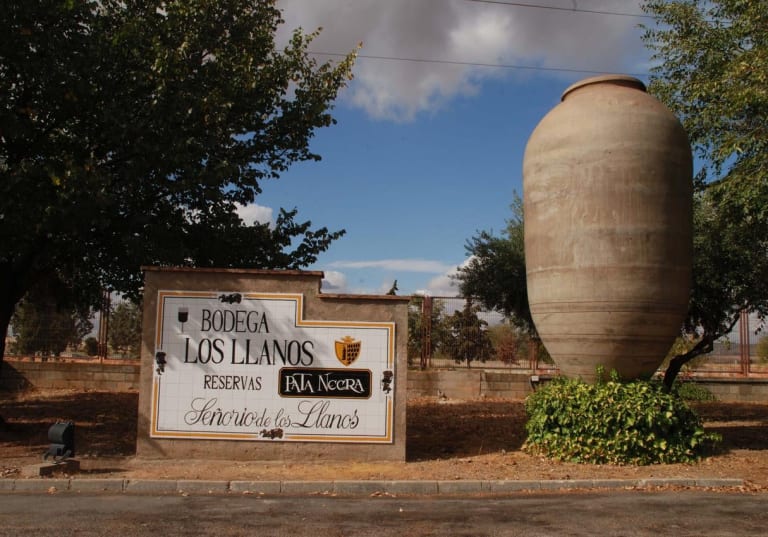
(45, 469)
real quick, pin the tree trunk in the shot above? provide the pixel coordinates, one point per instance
(5, 321)
(10, 293)
(7, 308)
(704, 346)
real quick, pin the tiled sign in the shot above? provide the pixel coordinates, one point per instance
(248, 366)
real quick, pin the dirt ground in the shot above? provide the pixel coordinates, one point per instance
(446, 440)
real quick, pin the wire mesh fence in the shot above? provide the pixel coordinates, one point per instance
(443, 332)
(43, 332)
(452, 332)
(743, 351)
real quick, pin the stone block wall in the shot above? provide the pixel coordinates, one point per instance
(476, 383)
(468, 384)
(737, 390)
(19, 375)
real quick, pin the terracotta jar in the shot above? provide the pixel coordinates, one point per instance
(608, 228)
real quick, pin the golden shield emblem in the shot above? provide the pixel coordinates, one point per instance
(347, 350)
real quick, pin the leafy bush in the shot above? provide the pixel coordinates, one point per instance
(125, 328)
(690, 391)
(613, 422)
(762, 349)
(91, 346)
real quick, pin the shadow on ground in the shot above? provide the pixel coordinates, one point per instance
(106, 425)
(463, 428)
(742, 425)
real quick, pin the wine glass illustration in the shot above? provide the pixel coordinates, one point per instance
(183, 315)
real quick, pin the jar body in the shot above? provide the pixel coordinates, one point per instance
(608, 228)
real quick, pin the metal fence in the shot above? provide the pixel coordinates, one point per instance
(451, 332)
(56, 338)
(444, 332)
(743, 352)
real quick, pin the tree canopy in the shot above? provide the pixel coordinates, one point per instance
(468, 335)
(130, 130)
(421, 322)
(712, 71)
(495, 272)
(125, 328)
(42, 326)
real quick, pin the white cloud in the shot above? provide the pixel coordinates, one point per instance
(255, 213)
(443, 285)
(334, 282)
(463, 32)
(402, 265)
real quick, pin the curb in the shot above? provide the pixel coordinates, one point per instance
(347, 488)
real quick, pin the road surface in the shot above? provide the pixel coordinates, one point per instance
(619, 513)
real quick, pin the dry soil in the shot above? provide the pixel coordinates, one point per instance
(446, 440)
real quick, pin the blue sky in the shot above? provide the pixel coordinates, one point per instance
(427, 153)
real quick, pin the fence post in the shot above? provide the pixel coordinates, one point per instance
(744, 341)
(533, 355)
(426, 332)
(106, 305)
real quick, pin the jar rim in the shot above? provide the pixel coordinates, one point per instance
(621, 80)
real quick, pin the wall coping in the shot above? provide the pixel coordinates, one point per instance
(262, 272)
(337, 296)
(318, 274)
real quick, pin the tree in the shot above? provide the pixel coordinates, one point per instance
(91, 346)
(713, 73)
(506, 342)
(43, 326)
(130, 130)
(509, 342)
(762, 349)
(415, 329)
(438, 332)
(125, 328)
(495, 273)
(469, 336)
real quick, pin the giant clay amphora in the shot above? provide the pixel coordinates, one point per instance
(608, 228)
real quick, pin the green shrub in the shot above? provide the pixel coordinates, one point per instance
(613, 422)
(91, 346)
(762, 349)
(691, 391)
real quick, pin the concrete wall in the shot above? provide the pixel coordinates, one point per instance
(737, 390)
(468, 384)
(17, 375)
(474, 383)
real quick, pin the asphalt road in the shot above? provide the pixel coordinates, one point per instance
(629, 514)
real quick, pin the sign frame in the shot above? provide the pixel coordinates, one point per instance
(382, 369)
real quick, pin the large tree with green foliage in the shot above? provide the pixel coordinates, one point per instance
(495, 273)
(129, 131)
(712, 71)
(42, 326)
(125, 328)
(423, 320)
(468, 338)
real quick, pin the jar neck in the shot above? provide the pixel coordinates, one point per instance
(613, 80)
